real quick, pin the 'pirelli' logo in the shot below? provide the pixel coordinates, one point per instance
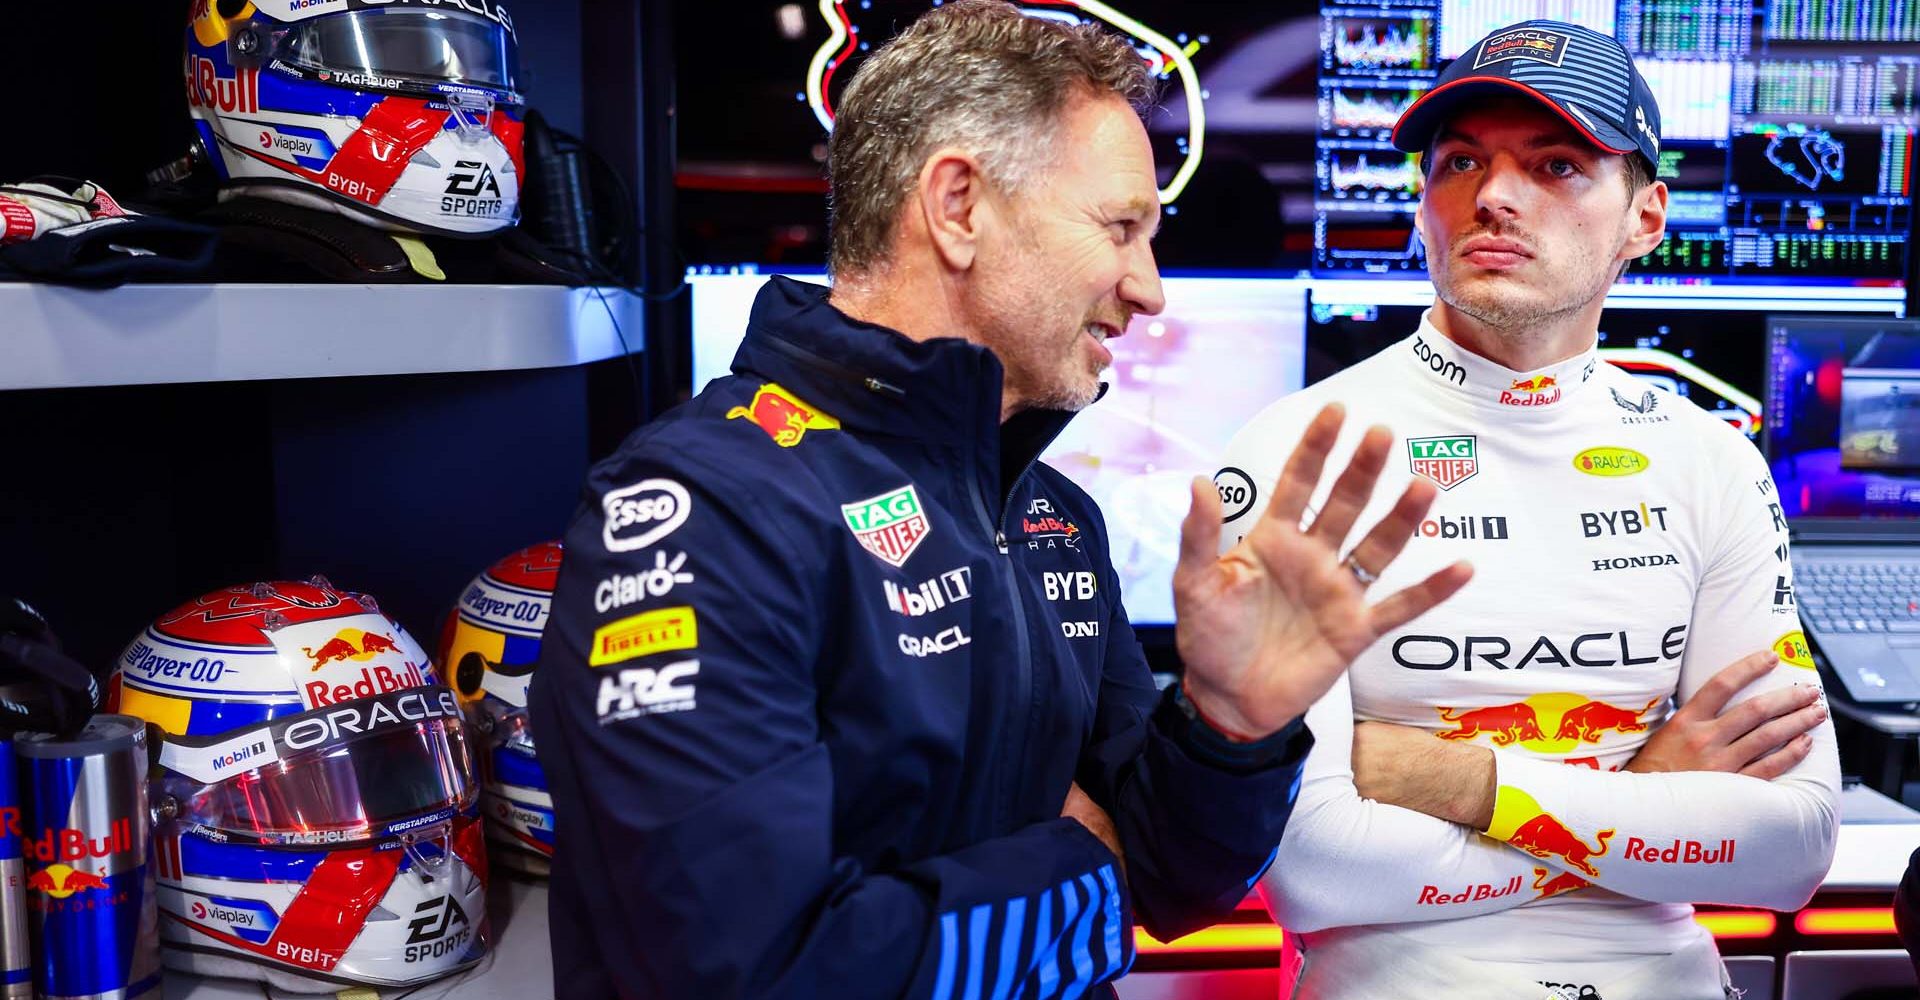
(644, 634)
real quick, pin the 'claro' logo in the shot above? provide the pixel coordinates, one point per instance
(1610, 461)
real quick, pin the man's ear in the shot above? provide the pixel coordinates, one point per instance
(951, 199)
(1650, 221)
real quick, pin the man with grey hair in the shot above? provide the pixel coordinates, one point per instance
(839, 697)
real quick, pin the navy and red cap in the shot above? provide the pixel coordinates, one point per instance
(1585, 76)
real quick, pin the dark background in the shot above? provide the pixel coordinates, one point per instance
(751, 176)
(117, 504)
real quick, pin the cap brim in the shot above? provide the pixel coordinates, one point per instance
(1423, 118)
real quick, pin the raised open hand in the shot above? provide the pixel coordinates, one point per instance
(1266, 629)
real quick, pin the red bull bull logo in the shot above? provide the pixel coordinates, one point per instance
(1549, 883)
(1550, 723)
(1507, 724)
(1589, 722)
(342, 647)
(1544, 836)
(60, 881)
(783, 416)
(1539, 390)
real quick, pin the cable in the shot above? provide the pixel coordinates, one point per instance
(633, 372)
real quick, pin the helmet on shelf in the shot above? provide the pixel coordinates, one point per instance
(315, 792)
(401, 114)
(490, 644)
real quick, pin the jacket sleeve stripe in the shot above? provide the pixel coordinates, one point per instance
(949, 944)
(1115, 960)
(1048, 956)
(979, 921)
(1010, 949)
(1082, 934)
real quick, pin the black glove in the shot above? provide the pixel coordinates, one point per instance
(42, 689)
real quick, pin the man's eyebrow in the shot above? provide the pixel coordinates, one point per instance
(1559, 139)
(1449, 135)
(1145, 208)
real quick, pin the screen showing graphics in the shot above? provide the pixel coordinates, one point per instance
(1879, 419)
(1787, 127)
(1181, 384)
(1843, 434)
(1707, 357)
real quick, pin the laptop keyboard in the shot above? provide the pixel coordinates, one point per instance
(1859, 597)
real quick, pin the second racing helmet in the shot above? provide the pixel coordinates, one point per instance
(490, 644)
(315, 792)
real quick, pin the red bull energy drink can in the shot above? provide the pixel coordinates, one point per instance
(16, 955)
(88, 851)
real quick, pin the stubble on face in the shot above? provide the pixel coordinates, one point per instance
(1028, 319)
(1569, 273)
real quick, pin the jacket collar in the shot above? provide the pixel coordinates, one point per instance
(880, 381)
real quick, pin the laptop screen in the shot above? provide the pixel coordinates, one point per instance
(1843, 416)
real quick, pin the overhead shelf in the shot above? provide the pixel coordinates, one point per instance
(54, 337)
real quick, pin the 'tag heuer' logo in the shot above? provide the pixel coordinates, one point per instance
(1447, 461)
(783, 416)
(891, 525)
(1537, 390)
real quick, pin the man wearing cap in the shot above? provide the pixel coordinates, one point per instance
(1627, 546)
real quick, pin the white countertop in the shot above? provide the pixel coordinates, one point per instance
(53, 337)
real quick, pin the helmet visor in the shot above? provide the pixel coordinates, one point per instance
(416, 46)
(355, 771)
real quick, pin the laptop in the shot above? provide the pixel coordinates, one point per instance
(1842, 436)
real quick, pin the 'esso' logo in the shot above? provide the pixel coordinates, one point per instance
(642, 514)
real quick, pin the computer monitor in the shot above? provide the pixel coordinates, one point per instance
(1788, 132)
(1843, 434)
(1181, 384)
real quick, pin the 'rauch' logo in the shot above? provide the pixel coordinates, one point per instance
(1447, 461)
(1610, 461)
(890, 525)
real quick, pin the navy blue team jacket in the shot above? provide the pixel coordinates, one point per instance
(827, 649)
